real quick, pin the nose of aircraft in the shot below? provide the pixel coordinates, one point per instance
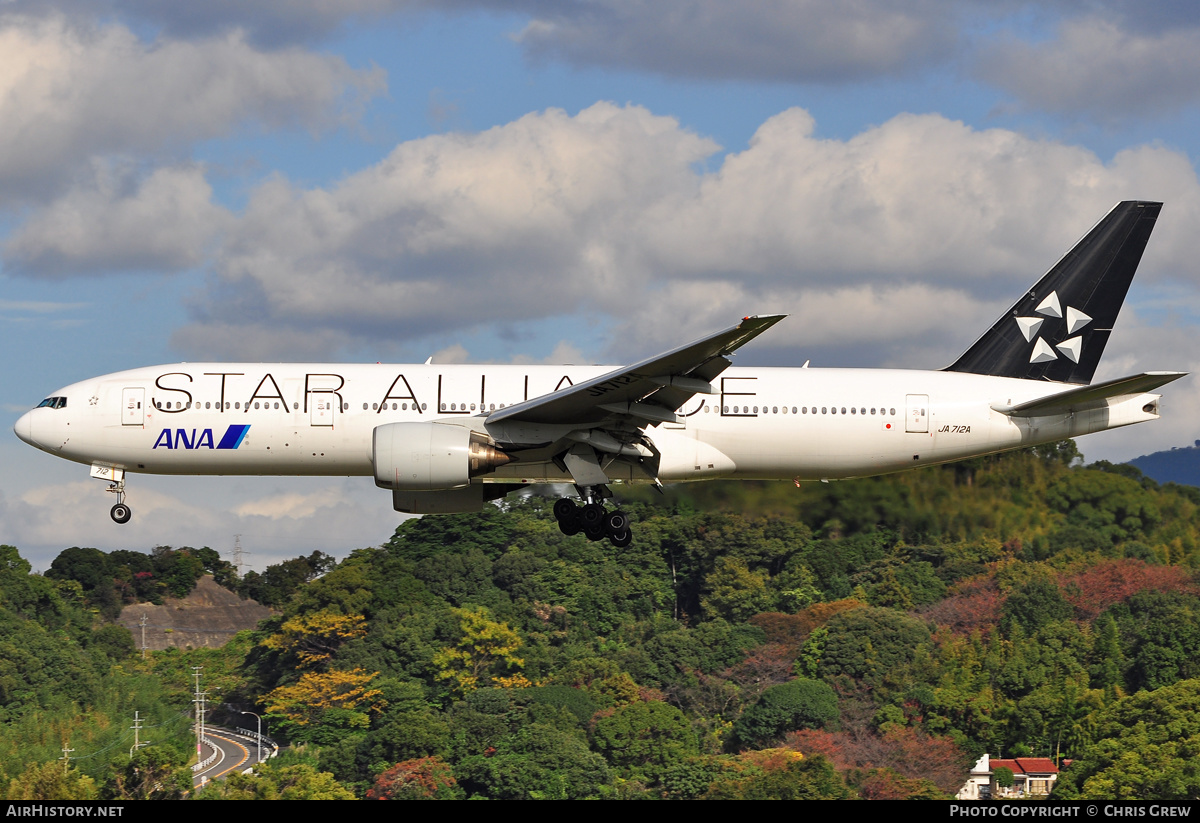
(24, 428)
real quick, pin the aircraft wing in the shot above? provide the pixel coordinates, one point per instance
(1082, 398)
(648, 392)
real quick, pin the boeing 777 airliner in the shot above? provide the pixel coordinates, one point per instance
(448, 438)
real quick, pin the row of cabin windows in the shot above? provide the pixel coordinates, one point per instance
(801, 410)
(169, 405)
(455, 407)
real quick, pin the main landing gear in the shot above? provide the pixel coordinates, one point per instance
(593, 519)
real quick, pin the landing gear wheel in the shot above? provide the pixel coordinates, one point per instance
(570, 526)
(592, 515)
(120, 513)
(565, 509)
(622, 539)
(595, 532)
(616, 522)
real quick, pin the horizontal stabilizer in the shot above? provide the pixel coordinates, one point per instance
(1084, 398)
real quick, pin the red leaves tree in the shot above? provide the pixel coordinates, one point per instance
(1093, 590)
(425, 778)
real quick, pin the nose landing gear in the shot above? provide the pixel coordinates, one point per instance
(120, 513)
(595, 521)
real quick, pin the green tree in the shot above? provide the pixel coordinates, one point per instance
(297, 781)
(799, 778)
(1036, 604)
(644, 739)
(799, 704)
(50, 781)
(153, 773)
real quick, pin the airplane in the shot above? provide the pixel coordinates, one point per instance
(448, 438)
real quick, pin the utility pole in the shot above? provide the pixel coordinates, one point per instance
(66, 759)
(142, 623)
(137, 734)
(198, 700)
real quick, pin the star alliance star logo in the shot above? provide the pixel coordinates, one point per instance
(1042, 351)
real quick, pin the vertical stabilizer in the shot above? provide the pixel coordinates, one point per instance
(1058, 330)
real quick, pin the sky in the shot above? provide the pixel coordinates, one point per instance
(571, 181)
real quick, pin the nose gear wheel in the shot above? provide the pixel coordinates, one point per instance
(120, 513)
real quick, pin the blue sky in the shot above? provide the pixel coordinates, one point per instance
(548, 182)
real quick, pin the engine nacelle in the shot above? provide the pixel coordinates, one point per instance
(431, 456)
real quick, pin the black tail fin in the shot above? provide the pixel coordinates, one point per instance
(1059, 329)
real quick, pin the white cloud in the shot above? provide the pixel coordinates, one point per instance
(1100, 68)
(521, 221)
(277, 518)
(70, 90)
(608, 214)
(165, 223)
(775, 40)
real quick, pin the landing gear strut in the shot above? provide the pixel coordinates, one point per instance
(592, 518)
(120, 513)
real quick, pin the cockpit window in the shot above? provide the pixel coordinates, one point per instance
(53, 403)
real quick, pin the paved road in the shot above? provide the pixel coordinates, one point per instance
(236, 753)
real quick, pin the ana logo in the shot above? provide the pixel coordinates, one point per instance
(1042, 351)
(200, 438)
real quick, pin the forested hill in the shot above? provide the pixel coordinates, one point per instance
(857, 639)
(1179, 465)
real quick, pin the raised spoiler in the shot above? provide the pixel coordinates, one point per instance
(1085, 398)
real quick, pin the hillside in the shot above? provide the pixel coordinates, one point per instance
(206, 618)
(858, 639)
(1178, 465)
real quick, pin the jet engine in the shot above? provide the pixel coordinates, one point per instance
(432, 456)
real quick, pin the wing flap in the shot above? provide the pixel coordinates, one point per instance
(1083, 398)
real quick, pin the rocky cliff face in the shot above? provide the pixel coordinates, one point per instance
(208, 617)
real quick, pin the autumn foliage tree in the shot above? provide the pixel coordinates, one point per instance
(335, 698)
(485, 654)
(424, 778)
(314, 638)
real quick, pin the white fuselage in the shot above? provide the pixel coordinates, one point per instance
(770, 423)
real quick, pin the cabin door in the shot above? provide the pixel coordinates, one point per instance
(133, 407)
(916, 416)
